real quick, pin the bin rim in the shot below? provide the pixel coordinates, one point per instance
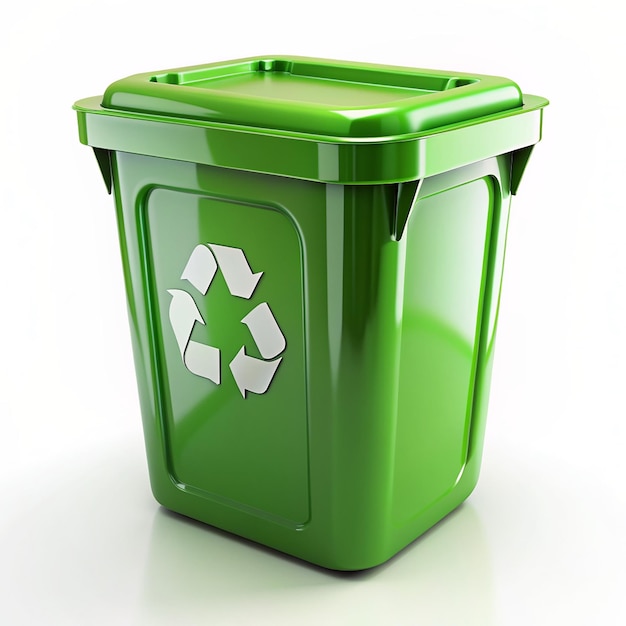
(93, 105)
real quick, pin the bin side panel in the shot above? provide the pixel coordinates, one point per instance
(446, 266)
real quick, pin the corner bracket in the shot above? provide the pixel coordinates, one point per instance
(104, 162)
(519, 161)
(406, 196)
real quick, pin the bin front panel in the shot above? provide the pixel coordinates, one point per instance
(226, 294)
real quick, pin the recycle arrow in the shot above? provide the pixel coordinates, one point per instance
(265, 331)
(199, 358)
(203, 263)
(252, 374)
(200, 269)
(237, 273)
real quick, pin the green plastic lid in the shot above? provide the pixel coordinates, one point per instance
(316, 97)
(313, 119)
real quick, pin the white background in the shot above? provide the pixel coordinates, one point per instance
(540, 541)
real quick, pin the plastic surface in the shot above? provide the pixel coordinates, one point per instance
(313, 359)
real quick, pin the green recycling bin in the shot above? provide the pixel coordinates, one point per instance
(313, 253)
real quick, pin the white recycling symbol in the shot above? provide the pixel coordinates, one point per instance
(251, 374)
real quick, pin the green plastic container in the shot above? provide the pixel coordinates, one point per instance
(313, 254)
